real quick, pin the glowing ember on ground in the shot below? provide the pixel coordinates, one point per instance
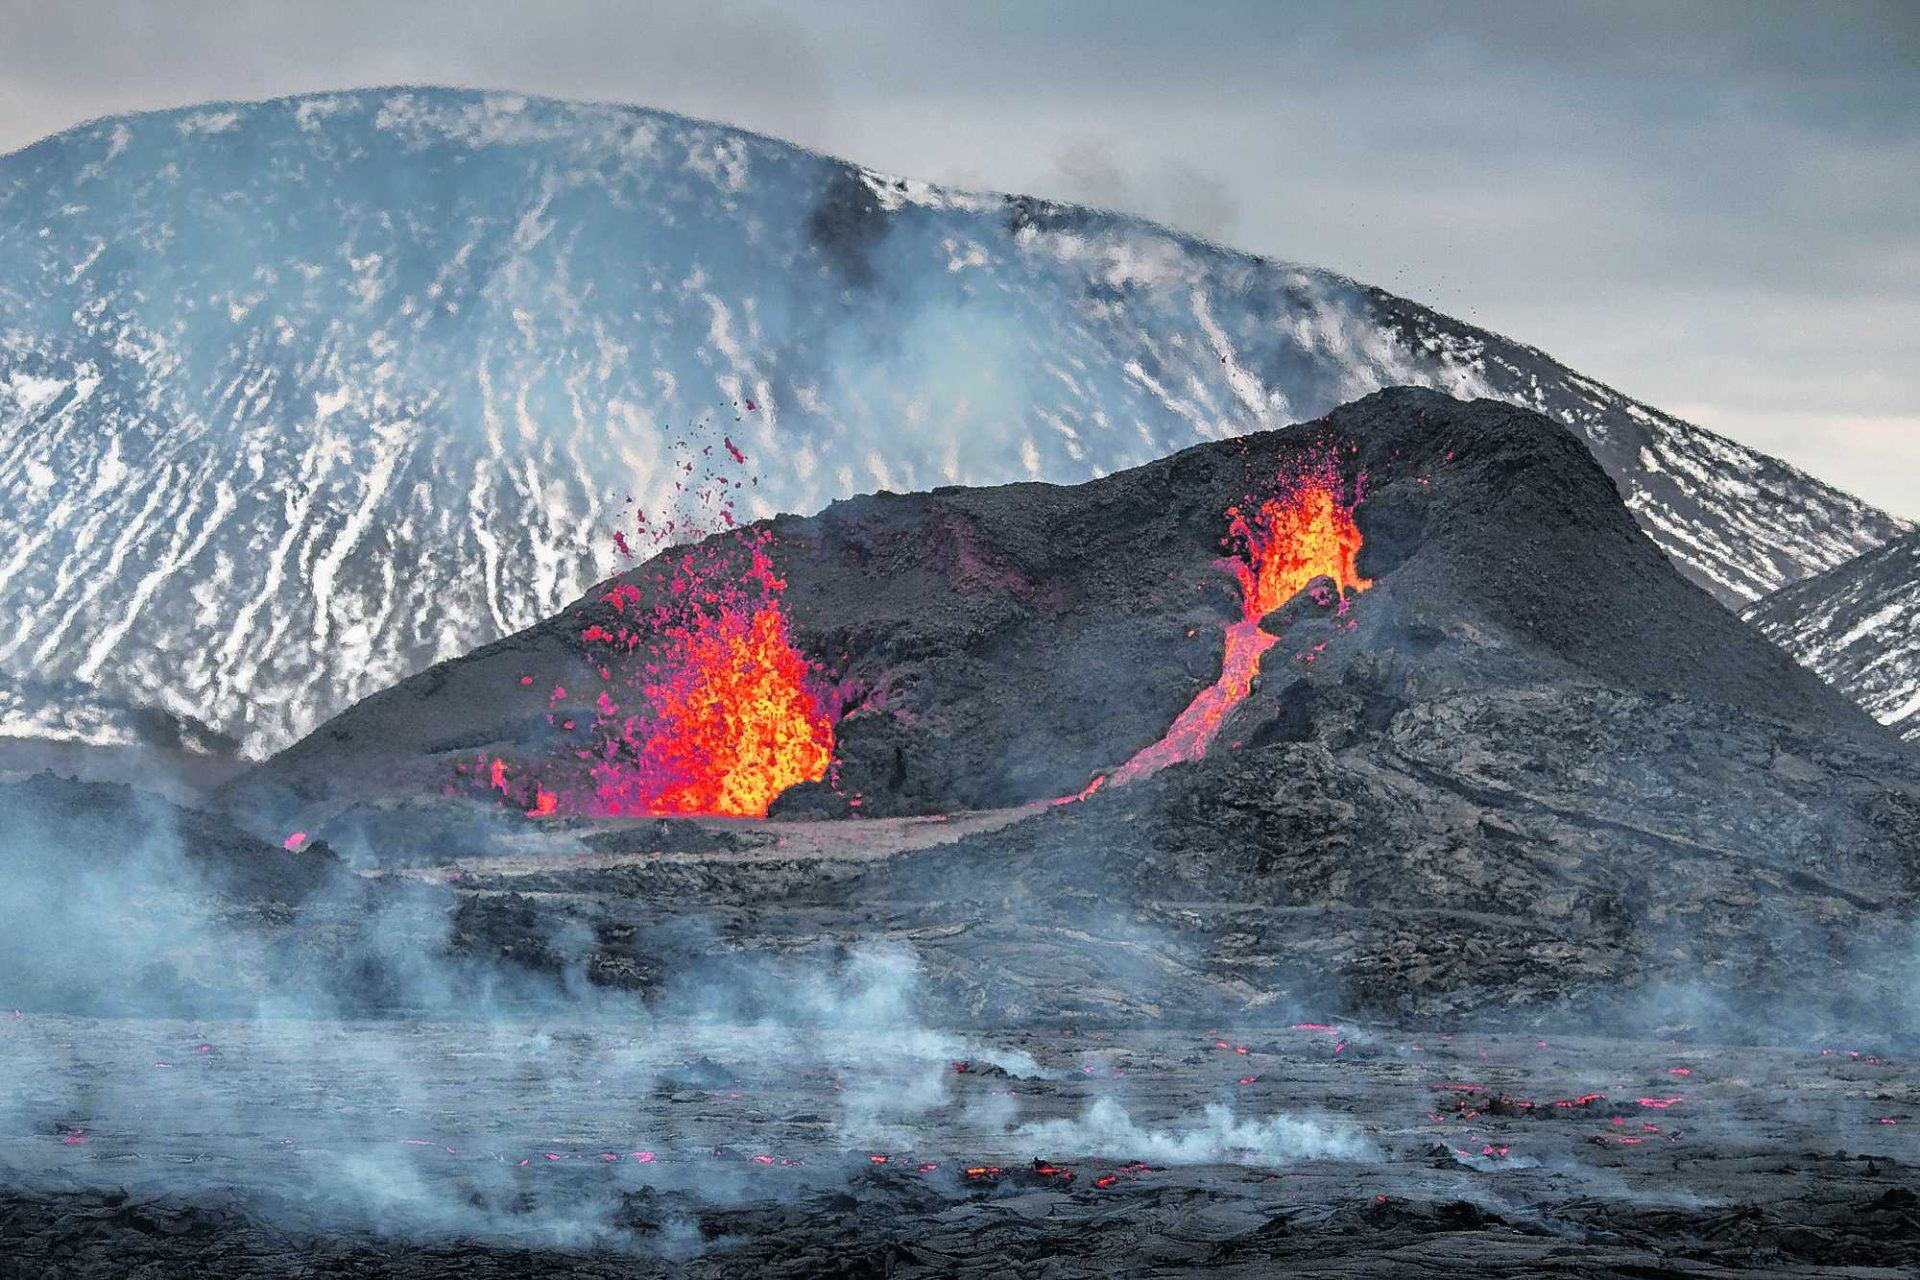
(1129, 1171)
(1303, 533)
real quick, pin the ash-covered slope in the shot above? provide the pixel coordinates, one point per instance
(299, 397)
(1858, 625)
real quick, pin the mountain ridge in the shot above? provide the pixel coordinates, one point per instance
(300, 396)
(1858, 626)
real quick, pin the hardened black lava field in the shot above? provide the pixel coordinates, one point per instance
(1526, 911)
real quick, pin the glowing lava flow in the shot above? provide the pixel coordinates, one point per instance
(1303, 533)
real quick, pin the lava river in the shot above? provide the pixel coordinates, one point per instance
(1301, 534)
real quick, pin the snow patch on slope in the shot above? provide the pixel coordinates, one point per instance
(1858, 627)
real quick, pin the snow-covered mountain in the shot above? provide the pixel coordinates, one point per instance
(298, 397)
(1858, 625)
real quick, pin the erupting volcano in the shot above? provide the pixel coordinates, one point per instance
(729, 716)
(721, 717)
(1299, 535)
(1263, 1010)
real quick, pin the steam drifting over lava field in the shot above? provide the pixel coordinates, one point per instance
(1353, 848)
(737, 1150)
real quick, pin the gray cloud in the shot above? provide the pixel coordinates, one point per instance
(1173, 191)
(1709, 206)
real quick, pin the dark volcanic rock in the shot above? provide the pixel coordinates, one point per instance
(1550, 854)
(60, 828)
(997, 646)
(1531, 772)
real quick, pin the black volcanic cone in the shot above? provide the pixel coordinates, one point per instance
(1002, 645)
(1531, 769)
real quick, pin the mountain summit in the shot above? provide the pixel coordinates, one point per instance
(300, 397)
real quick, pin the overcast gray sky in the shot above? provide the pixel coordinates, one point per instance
(1712, 206)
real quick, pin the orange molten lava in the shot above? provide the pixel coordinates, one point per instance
(723, 716)
(1304, 533)
(727, 717)
(732, 720)
(703, 705)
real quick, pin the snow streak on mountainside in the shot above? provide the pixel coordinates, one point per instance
(302, 396)
(71, 712)
(1858, 625)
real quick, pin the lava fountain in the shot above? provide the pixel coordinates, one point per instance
(704, 706)
(1301, 534)
(729, 717)
(696, 701)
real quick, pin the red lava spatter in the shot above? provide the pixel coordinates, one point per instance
(729, 716)
(703, 704)
(1302, 533)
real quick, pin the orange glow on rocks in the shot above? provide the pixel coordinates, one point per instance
(1301, 534)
